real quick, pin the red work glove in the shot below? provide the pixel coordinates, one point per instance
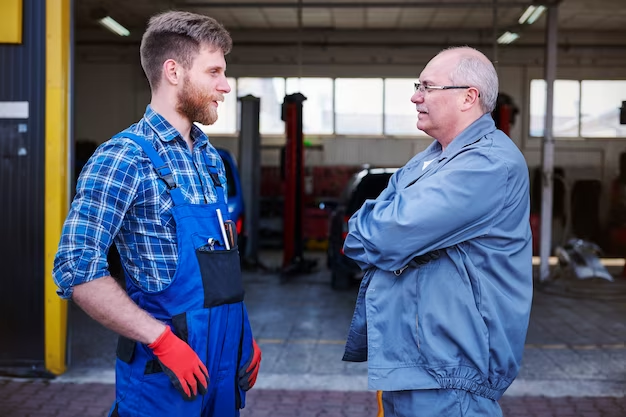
(249, 372)
(181, 364)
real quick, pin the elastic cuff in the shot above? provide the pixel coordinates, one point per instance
(161, 337)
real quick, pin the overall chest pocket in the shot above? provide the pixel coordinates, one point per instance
(221, 276)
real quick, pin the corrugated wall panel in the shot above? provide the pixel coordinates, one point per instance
(22, 79)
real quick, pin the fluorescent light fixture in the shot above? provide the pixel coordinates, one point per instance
(538, 11)
(531, 14)
(507, 37)
(110, 23)
(526, 15)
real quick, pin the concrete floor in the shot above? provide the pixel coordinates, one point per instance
(576, 344)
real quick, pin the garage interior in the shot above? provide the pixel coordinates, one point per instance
(362, 40)
(276, 43)
(576, 344)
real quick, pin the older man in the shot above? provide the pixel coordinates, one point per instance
(443, 308)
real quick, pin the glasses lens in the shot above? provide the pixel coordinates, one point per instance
(417, 86)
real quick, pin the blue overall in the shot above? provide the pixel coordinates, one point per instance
(204, 307)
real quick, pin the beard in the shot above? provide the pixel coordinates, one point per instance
(196, 105)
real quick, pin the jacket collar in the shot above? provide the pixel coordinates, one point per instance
(472, 134)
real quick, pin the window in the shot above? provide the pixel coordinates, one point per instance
(317, 109)
(400, 113)
(271, 91)
(566, 108)
(226, 113)
(359, 106)
(600, 104)
(587, 108)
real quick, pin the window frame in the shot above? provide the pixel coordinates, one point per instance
(579, 127)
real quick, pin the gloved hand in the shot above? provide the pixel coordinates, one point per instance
(249, 372)
(181, 364)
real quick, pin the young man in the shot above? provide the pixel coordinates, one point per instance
(443, 309)
(157, 190)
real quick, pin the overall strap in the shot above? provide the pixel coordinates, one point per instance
(162, 170)
(217, 185)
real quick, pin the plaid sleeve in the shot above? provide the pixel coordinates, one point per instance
(105, 190)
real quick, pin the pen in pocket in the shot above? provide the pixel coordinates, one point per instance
(220, 220)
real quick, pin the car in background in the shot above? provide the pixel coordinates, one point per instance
(236, 208)
(364, 185)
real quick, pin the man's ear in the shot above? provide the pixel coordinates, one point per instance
(470, 98)
(172, 72)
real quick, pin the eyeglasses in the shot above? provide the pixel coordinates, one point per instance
(423, 87)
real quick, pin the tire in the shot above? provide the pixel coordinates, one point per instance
(340, 281)
(329, 257)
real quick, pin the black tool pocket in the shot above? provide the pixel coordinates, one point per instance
(125, 349)
(221, 276)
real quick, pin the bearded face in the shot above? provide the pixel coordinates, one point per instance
(197, 104)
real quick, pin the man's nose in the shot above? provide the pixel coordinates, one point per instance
(417, 97)
(224, 86)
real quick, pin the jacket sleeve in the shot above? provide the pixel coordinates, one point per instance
(454, 204)
(358, 251)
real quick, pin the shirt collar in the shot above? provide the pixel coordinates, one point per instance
(166, 132)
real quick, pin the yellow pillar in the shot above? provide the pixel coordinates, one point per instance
(11, 16)
(56, 182)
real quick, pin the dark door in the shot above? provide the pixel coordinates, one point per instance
(22, 147)
(21, 269)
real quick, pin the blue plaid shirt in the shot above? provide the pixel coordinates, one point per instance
(120, 198)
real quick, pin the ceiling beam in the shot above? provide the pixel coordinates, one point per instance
(327, 37)
(359, 5)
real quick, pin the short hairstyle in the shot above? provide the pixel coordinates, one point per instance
(179, 36)
(475, 69)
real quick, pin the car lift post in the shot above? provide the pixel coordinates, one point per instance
(250, 171)
(293, 260)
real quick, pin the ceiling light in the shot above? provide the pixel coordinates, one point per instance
(533, 17)
(507, 37)
(531, 14)
(110, 23)
(526, 14)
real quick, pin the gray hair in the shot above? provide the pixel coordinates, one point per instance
(475, 69)
(179, 36)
